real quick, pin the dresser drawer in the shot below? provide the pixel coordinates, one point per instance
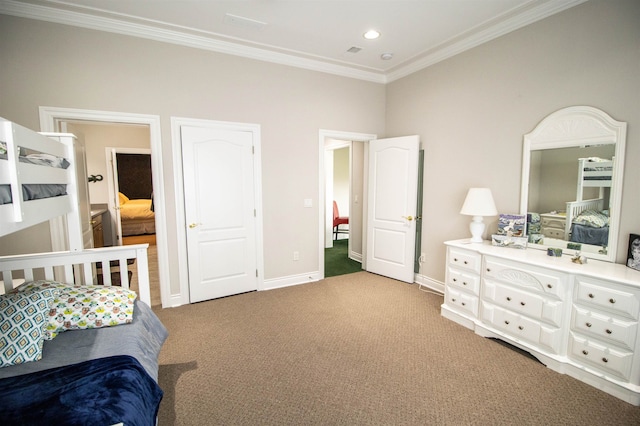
(604, 358)
(530, 277)
(552, 222)
(465, 259)
(463, 280)
(520, 327)
(536, 306)
(553, 233)
(607, 328)
(461, 301)
(608, 296)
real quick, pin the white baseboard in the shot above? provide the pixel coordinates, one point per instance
(430, 283)
(290, 280)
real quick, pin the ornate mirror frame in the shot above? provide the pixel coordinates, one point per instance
(575, 127)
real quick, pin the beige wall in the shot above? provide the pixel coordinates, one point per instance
(472, 111)
(99, 136)
(46, 64)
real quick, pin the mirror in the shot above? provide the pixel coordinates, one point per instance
(572, 182)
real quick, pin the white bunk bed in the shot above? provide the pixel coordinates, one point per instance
(593, 172)
(121, 357)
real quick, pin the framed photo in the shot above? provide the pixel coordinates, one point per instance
(512, 225)
(633, 256)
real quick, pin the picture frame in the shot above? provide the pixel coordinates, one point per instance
(633, 253)
(512, 225)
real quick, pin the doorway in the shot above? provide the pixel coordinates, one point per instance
(350, 193)
(54, 119)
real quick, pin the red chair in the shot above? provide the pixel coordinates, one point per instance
(337, 221)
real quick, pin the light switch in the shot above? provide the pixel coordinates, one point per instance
(308, 202)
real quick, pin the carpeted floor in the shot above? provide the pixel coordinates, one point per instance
(337, 262)
(357, 349)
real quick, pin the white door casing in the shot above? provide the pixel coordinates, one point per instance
(50, 120)
(392, 200)
(220, 210)
(114, 200)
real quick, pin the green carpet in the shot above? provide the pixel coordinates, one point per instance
(337, 262)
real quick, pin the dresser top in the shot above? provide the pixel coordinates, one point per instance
(593, 268)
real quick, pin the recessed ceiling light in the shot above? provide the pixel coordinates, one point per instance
(371, 35)
(386, 56)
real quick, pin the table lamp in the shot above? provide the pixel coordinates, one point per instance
(479, 203)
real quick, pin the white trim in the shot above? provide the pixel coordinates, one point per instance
(49, 118)
(291, 280)
(176, 144)
(323, 135)
(430, 283)
(452, 48)
(521, 18)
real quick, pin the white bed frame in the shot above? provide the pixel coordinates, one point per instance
(584, 175)
(72, 267)
(574, 208)
(79, 268)
(22, 214)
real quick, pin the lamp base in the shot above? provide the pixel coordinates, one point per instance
(477, 229)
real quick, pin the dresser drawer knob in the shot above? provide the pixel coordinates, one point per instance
(591, 296)
(464, 283)
(506, 322)
(463, 304)
(520, 327)
(465, 262)
(455, 280)
(549, 286)
(612, 300)
(508, 299)
(488, 269)
(605, 360)
(522, 303)
(608, 331)
(455, 259)
(453, 299)
(585, 352)
(588, 324)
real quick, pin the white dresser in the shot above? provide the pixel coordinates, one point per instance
(553, 225)
(580, 320)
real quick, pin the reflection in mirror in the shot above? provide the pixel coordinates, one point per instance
(572, 206)
(572, 184)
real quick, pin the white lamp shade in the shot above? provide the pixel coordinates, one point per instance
(479, 202)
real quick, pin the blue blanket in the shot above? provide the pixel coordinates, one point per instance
(103, 391)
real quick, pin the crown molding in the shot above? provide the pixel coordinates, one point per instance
(183, 38)
(451, 49)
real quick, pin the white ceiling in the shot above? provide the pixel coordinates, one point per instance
(306, 33)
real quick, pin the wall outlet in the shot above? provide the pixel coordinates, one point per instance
(296, 255)
(423, 258)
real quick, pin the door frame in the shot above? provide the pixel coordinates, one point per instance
(323, 135)
(50, 117)
(176, 146)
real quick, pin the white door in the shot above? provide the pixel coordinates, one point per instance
(220, 211)
(114, 203)
(393, 194)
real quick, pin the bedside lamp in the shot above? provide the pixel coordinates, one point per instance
(479, 203)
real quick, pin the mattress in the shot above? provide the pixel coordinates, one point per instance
(141, 339)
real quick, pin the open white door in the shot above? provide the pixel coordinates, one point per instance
(220, 211)
(393, 195)
(114, 201)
